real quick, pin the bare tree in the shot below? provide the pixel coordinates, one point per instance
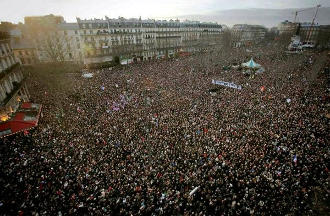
(50, 40)
(226, 40)
(55, 46)
(284, 39)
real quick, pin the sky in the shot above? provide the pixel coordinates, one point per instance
(16, 10)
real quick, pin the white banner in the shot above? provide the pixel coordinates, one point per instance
(227, 84)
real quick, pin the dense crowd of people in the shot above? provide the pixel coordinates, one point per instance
(150, 139)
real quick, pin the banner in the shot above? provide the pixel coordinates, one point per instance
(227, 84)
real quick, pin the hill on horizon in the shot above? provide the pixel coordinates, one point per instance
(266, 17)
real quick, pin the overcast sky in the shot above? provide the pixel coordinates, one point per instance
(15, 10)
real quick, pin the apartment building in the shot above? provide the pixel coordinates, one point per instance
(13, 88)
(243, 34)
(134, 39)
(100, 40)
(287, 27)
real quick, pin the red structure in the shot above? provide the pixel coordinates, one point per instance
(26, 117)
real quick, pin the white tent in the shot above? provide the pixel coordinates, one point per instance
(251, 64)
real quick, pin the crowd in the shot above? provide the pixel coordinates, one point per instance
(149, 139)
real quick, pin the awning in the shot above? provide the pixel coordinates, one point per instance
(25, 118)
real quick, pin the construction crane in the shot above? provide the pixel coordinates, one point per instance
(311, 28)
(296, 13)
(296, 43)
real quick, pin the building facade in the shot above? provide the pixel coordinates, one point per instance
(25, 55)
(244, 35)
(54, 40)
(309, 33)
(48, 19)
(13, 89)
(100, 40)
(287, 27)
(323, 39)
(134, 39)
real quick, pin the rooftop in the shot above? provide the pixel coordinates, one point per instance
(133, 20)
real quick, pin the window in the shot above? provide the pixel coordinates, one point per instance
(70, 55)
(91, 31)
(75, 31)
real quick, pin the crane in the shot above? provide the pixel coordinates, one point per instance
(296, 13)
(310, 31)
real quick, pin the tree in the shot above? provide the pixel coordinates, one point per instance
(116, 60)
(270, 35)
(49, 40)
(284, 39)
(226, 40)
(55, 46)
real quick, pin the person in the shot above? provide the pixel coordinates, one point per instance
(237, 147)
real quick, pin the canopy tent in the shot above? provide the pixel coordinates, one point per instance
(251, 64)
(251, 67)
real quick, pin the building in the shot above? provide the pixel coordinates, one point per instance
(287, 27)
(54, 40)
(13, 89)
(51, 39)
(313, 34)
(41, 20)
(24, 51)
(137, 39)
(72, 41)
(323, 40)
(244, 35)
(17, 114)
(309, 33)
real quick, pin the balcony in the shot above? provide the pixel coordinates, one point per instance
(17, 87)
(8, 70)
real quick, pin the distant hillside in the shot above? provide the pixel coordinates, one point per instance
(266, 17)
